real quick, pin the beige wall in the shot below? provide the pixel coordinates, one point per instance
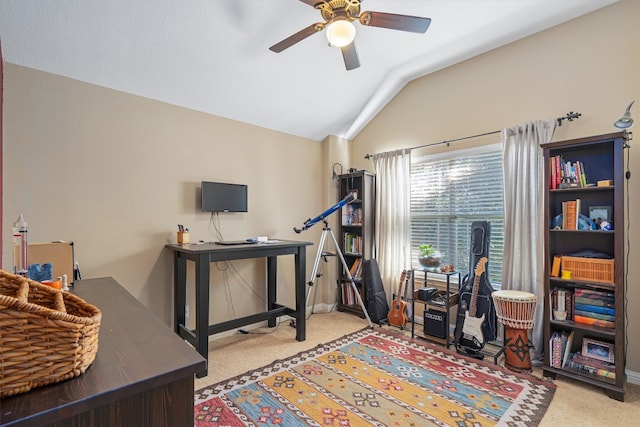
(116, 173)
(590, 65)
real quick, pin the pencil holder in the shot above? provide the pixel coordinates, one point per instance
(182, 237)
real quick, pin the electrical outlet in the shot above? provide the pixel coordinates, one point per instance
(186, 312)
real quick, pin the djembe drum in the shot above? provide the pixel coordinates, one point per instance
(516, 310)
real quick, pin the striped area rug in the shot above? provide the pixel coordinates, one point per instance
(375, 377)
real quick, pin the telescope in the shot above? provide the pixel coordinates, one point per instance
(312, 221)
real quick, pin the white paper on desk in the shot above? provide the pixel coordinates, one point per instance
(272, 241)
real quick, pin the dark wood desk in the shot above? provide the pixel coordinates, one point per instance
(142, 374)
(203, 255)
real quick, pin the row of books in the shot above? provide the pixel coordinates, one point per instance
(567, 174)
(352, 243)
(348, 294)
(562, 357)
(585, 306)
(594, 307)
(356, 268)
(352, 215)
(560, 344)
(583, 363)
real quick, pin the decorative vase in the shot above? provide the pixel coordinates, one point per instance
(431, 262)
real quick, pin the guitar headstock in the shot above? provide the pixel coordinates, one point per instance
(480, 266)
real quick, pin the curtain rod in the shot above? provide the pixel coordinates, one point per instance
(570, 116)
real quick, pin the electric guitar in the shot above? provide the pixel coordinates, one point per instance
(472, 337)
(397, 315)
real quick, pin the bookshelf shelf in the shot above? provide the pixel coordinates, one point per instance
(607, 383)
(570, 325)
(582, 189)
(593, 295)
(355, 236)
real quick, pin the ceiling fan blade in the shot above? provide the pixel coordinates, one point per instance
(311, 3)
(350, 56)
(295, 38)
(414, 24)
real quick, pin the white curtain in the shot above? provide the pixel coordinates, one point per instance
(523, 258)
(393, 219)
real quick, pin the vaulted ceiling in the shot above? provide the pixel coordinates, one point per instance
(213, 55)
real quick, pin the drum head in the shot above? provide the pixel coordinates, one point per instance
(509, 294)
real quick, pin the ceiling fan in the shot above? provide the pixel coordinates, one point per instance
(339, 16)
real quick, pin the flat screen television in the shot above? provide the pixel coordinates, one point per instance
(222, 197)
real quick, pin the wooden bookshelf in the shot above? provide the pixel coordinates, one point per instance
(355, 230)
(594, 282)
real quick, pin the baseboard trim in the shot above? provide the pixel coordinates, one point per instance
(633, 377)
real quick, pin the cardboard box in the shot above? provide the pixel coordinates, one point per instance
(59, 254)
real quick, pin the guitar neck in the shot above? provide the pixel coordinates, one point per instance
(402, 279)
(473, 304)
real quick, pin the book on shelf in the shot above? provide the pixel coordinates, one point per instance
(595, 308)
(594, 295)
(570, 214)
(591, 314)
(594, 302)
(556, 350)
(595, 322)
(555, 269)
(566, 351)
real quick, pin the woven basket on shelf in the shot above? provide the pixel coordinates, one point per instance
(46, 335)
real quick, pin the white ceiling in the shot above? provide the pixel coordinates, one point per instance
(213, 55)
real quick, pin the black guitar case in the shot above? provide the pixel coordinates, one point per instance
(479, 248)
(375, 296)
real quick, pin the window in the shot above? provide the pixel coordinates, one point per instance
(448, 193)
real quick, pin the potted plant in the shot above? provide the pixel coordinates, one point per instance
(429, 257)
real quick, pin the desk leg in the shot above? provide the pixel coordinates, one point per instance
(301, 308)
(202, 309)
(272, 278)
(179, 290)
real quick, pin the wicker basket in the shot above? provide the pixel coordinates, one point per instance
(46, 335)
(590, 269)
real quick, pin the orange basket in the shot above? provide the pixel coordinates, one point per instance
(590, 269)
(46, 335)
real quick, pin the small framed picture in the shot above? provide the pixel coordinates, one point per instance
(602, 213)
(597, 350)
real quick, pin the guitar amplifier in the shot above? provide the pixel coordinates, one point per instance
(435, 323)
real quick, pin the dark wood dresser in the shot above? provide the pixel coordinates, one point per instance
(143, 374)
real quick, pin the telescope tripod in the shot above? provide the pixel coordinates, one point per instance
(322, 255)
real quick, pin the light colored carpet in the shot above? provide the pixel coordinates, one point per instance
(574, 403)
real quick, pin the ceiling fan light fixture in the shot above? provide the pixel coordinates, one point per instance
(341, 33)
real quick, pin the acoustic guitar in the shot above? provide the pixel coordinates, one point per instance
(472, 337)
(398, 314)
